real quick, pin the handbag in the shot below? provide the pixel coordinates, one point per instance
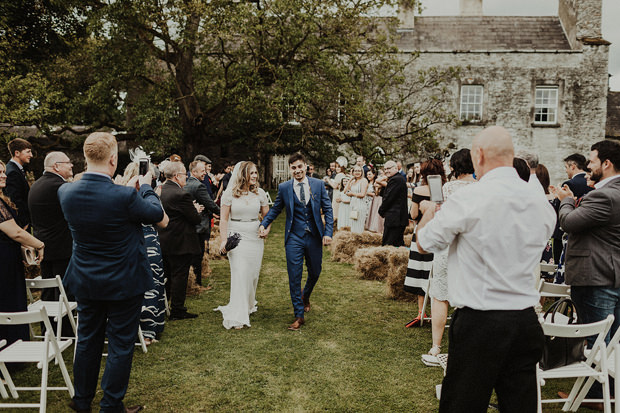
(29, 256)
(562, 351)
(354, 214)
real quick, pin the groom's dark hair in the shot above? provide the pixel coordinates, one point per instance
(296, 157)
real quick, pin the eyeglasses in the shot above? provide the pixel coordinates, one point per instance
(65, 162)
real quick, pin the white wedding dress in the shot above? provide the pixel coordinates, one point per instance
(245, 260)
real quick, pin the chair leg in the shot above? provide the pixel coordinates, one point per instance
(577, 394)
(44, 371)
(9, 381)
(606, 396)
(65, 375)
(166, 302)
(538, 390)
(3, 391)
(142, 342)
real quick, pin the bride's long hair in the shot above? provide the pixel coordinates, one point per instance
(242, 183)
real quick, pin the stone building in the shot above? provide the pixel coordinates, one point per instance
(543, 78)
(612, 129)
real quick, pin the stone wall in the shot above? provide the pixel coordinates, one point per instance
(509, 80)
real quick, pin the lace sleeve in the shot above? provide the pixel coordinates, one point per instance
(227, 198)
(263, 197)
(5, 213)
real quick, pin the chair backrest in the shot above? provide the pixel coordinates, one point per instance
(578, 330)
(25, 317)
(556, 290)
(544, 267)
(41, 283)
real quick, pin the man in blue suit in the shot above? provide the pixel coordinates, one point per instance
(305, 199)
(108, 272)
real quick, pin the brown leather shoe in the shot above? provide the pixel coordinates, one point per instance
(299, 321)
(598, 406)
(133, 409)
(307, 305)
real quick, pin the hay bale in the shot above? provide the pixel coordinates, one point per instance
(194, 289)
(342, 246)
(368, 238)
(372, 263)
(398, 260)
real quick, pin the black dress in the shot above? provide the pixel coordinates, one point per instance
(12, 280)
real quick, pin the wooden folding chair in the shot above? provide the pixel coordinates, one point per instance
(39, 352)
(582, 369)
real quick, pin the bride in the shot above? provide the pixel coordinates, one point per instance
(241, 204)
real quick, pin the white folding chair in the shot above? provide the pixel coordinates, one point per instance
(40, 352)
(582, 369)
(613, 368)
(426, 298)
(551, 290)
(57, 309)
(269, 201)
(141, 342)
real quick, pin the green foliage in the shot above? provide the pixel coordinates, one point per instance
(274, 76)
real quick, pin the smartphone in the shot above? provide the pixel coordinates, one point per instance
(434, 186)
(144, 167)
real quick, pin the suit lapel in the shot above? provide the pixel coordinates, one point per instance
(291, 197)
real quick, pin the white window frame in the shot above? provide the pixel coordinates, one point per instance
(546, 105)
(472, 99)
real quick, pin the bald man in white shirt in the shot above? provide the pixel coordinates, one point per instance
(495, 232)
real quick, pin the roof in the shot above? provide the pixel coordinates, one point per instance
(463, 33)
(612, 129)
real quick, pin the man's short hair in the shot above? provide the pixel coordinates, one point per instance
(202, 158)
(296, 157)
(52, 158)
(194, 165)
(99, 147)
(18, 145)
(530, 158)
(578, 160)
(608, 150)
(172, 169)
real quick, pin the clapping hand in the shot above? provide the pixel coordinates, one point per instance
(199, 208)
(563, 192)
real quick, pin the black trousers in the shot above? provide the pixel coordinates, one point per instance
(492, 350)
(197, 260)
(50, 269)
(394, 236)
(177, 269)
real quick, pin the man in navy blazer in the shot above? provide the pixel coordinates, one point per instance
(17, 187)
(304, 199)
(575, 165)
(108, 272)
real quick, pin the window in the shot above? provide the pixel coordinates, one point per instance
(471, 103)
(546, 104)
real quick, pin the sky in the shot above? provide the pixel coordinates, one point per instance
(611, 15)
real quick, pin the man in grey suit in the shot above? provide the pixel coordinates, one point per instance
(200, 194)
(593, 227)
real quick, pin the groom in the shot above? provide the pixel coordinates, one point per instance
(304, 199)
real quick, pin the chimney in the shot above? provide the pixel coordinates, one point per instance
(471, 7)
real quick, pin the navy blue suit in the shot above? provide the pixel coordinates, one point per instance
(108, 274)
(304, 235)
(578, 185)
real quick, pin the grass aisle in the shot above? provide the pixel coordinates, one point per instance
(353, 354)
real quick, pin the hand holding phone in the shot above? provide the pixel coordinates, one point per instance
(435, 188)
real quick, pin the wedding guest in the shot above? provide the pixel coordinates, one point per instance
(532, 162)
(336, 183)
(356, 190)
(17, 187)
(152, 320)
(361, 162)
(179, 240)
(12, 284)
(462, 170)
(394, 206)
(108, 272)
(575, 166)
(344, 202)
(495, 230)
(417, 275)
(197, 189)
(522, 169)
(416, 172)
(50, 226)
(208, 179)
(374, 222)
(401, 171)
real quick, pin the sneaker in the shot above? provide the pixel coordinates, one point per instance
(430, 361)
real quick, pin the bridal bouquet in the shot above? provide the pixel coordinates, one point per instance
(231, 242)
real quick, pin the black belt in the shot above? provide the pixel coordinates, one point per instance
(244, 220)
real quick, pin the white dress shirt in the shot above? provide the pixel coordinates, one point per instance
(605, 181)
(496, 231)
(306, 188)
(535, 183)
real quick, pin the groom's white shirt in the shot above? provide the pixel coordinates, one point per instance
(306, 188)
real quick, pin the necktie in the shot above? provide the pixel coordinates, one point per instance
(302, 193)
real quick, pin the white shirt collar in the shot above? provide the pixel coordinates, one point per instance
(305, 181)
(50, 172)
(605, 181)
(18, 164)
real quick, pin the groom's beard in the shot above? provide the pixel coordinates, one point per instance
(299, 175)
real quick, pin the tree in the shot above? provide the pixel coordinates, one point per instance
(270, 76)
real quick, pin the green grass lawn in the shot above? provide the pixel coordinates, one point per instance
(353, 353)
